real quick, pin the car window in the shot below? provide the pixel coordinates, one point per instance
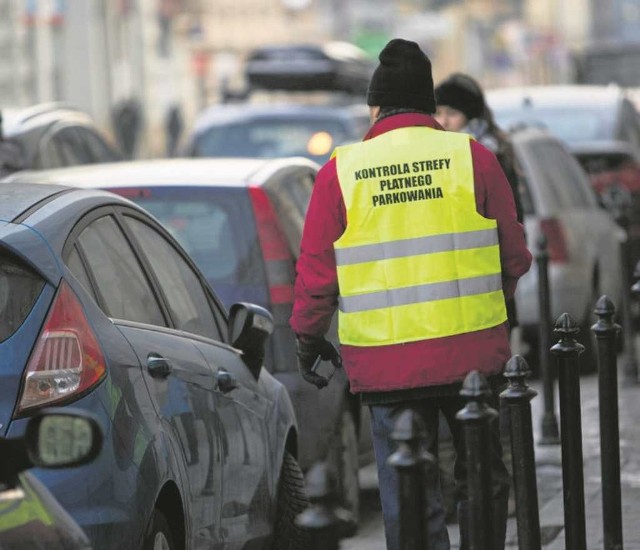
(49, 155)
(96, 149)
(523, 184)
(629, 125)
(72, 149)
(313, 138)
(124, 290)
(561, 172)
(74, 263)
(216, 227)
(19, 289)
(290, 198)
(570, 124)
(181, 286)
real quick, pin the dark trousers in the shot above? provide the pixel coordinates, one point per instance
(382, 423)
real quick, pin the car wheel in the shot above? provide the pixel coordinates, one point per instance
(345, 460)
(159, 536)
(292, 500)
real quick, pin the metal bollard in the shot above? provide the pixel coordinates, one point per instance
(412, 464)
(324, 520)
(476, 417)
(630, 366)
(567, 350)
(607, 332)
(550, 435)
(518, 398)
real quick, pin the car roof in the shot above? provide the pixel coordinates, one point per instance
(603, 146)
(554, 96)
(16, 199)
(531, 133)
(16, 120)
(223, 172)
(225, 114)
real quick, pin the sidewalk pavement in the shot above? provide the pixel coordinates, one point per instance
(549, 476)
(549, 469)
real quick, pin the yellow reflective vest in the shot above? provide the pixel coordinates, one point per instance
(416, 260)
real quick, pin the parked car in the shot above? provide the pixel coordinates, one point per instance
(583, 240)
(30, 518)
(599, 124)
(573, 113)
(276, 130)
(241, 221)
(54, 135)
(102, 309)
(334, 66)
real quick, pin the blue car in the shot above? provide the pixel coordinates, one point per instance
(101, 309)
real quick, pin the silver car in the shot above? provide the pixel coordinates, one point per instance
(583, 239)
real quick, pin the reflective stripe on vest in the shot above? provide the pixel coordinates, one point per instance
(416, 260)
(419, 245)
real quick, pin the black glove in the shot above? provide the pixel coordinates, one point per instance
(308, 349)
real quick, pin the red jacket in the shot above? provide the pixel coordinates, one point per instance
(415, 364)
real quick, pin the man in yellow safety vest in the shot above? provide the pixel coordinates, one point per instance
(412, 236)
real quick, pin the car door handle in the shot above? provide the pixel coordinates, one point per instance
(158, 367)
(226, 381)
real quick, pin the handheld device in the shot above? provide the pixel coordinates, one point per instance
(321, 367)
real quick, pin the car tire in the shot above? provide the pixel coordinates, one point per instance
(292, 500)
(159, 536)
(345, 462)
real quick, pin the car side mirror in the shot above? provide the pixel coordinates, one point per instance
(54, 438)
(249, 327)
(62, 439)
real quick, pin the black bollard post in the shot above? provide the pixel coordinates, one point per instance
(630, 365)
(518, 398)
(412, 464)
(635, 289)
(476, 417)
(607, 332)
(324, 521)
(549, 424)
(567, 350)
(635, 294)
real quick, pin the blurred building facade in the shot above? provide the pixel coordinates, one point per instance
(166, 54)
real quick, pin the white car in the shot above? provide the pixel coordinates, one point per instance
(583, 239)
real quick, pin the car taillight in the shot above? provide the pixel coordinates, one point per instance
(275, 250)
(66, 360)
(556, 243)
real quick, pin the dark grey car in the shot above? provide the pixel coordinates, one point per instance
(276, 130)
(51, 135)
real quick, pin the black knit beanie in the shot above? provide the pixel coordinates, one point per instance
(463, 93)
(403, 78)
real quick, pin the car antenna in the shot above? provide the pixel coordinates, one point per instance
(1, 129)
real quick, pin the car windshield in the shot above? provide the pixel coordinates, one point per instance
(313, 138)
(215, 226)
(573, 125)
